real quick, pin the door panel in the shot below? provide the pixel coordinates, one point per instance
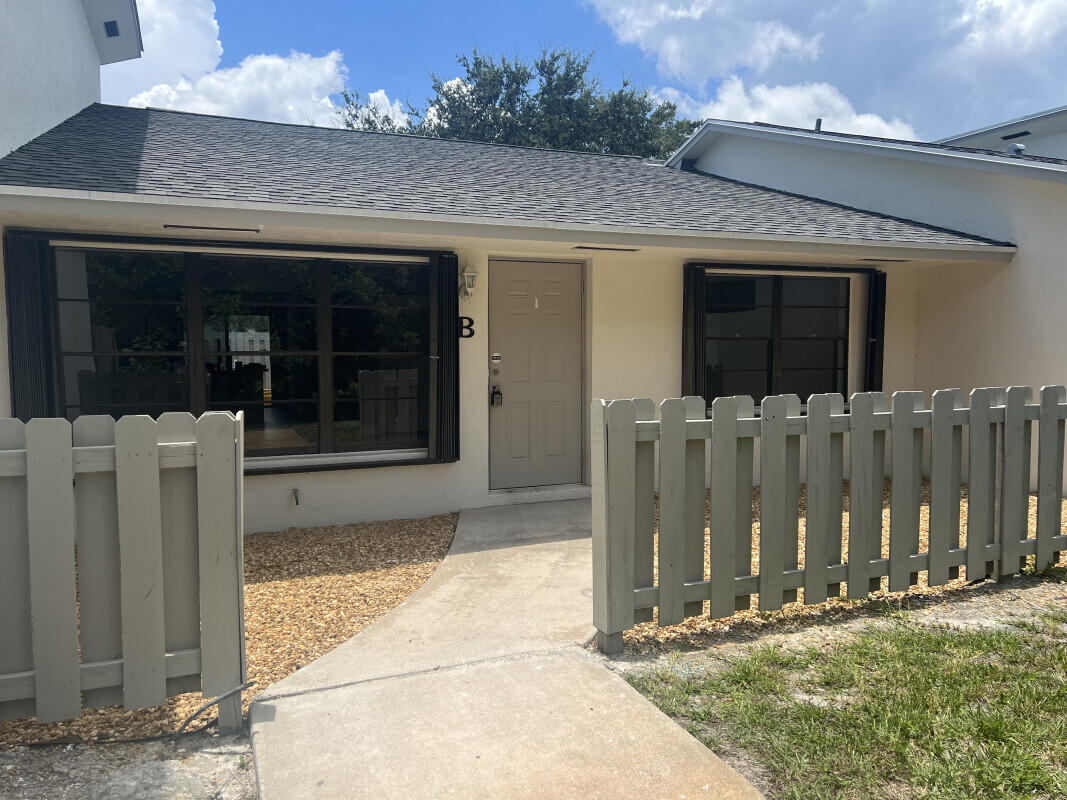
(535, 327)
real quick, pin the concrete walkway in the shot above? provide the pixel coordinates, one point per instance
(478, 686)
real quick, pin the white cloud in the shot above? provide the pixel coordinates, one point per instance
(294, 88)
(389, 108)
(939, 66)
(180, 69)
(698, 40)
(797, 104)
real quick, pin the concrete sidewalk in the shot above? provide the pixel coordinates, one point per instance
(478, 686)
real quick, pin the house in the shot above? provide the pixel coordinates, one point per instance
(416, 325)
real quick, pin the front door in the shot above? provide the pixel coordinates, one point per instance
(535, 365)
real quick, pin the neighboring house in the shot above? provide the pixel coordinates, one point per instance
(1043, 134)
(435, 316)
(50, 58)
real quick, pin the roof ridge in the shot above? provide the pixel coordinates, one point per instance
(370, 133)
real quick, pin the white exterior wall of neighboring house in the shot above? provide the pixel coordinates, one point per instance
(51, 67)
(973, 325)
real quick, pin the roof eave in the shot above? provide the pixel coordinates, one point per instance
(71, 201)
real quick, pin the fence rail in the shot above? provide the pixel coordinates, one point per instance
(120, 563)
(630, 446)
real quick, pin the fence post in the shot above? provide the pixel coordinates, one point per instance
(672, 512)
(904, 498)
(946, 444)
(220, 571)
(1049, 474)
(644, 508)
(16, 654)
(614, 429)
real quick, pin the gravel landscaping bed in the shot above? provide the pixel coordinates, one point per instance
(306, 591)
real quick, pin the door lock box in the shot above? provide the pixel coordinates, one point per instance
(496, 397)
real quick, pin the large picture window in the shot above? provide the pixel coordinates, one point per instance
(326, 354)
(756, 333)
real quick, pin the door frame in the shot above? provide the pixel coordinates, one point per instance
(583, 372)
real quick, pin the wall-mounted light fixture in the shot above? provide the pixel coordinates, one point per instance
(468, 279)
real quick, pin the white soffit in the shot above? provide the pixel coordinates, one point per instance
(116, 29)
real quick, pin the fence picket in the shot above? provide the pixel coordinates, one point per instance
(181, 586)
(672, 512)
(53, 610)
(16, 654)
(220, 570)
(141, 557)
(906, 485)
(644, 508)
(865, 492)
(1015, 484)
(96, 515)
(792, 496)
(774, 493)
(982, 490)
(695, 502)
(822, 543)
(726, 510)
(1050, 434)
(946, 443)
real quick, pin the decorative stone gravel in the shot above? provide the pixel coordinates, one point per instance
(306, 591)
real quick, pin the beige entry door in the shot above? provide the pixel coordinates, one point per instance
(535, 368)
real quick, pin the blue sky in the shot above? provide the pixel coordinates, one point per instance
(908, 68)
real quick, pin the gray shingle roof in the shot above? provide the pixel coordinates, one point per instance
(155, 152)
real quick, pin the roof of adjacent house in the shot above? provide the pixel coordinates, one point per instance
(941, 145)
(1052, 116)
(166, 153)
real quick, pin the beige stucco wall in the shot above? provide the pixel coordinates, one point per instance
(51, 68)
(632, 340)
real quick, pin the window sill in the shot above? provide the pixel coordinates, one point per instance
(265, 465)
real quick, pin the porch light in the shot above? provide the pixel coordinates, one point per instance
(468, 279)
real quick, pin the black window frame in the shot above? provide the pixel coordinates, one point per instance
(694, 357)
(35, 350)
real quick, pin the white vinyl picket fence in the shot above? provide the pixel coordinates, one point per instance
(120, 563)
(630, 446)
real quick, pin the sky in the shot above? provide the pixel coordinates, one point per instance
(904, 68)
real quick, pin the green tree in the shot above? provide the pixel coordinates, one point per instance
(551, 101)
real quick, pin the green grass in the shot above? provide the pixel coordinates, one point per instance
(900, 711)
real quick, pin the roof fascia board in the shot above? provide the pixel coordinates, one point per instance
(102, 204)
(1006, 165)
(1000, 126)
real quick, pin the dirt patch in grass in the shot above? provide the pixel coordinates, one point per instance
(306, 591)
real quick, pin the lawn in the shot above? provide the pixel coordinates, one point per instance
(901, 710)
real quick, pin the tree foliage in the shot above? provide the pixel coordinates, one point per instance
(551, 101)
